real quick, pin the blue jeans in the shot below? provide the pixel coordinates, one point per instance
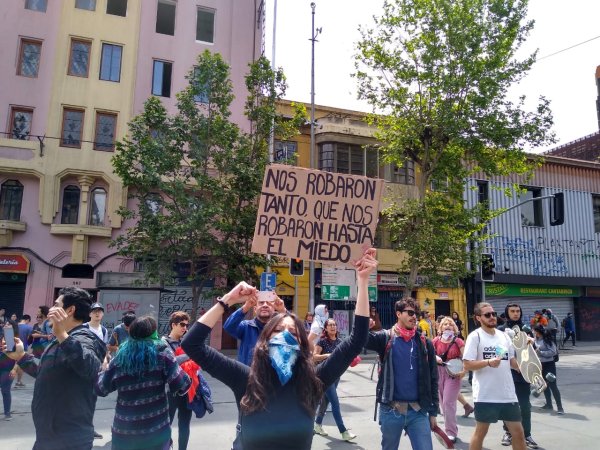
(5, 385)
(416, 423)
(331, 394)
(178, 404)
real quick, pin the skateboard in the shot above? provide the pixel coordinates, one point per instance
(528, 360)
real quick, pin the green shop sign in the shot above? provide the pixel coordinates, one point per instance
(525, 290)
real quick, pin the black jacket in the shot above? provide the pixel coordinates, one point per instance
(428, 372)
(509, 324)
(63, 397)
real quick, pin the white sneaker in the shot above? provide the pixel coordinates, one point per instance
(318, 429)
(347, 436)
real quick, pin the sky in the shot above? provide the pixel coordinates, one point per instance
(567, 78)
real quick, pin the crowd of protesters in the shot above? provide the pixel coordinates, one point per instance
(286, 374)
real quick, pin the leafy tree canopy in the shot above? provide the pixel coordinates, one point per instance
(195, 175)
(438, 73)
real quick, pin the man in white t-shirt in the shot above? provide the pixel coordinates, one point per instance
(95, 323)
(489, 353)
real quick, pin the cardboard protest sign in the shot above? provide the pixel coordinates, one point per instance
(315, 215)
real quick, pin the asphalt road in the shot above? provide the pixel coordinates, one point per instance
(578, 380)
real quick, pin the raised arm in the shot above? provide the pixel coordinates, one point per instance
(339, 360)
(233, 373)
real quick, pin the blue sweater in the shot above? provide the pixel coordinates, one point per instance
(247, 331)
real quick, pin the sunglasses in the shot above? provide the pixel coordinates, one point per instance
(490, 314)
(183, 324)
(410, 312)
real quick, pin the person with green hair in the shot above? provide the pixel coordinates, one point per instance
(139, 372)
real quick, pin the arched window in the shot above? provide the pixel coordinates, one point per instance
(11, 198)
(70, 205)
(97, 207)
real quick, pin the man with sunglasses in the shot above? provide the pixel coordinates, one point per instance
(514, 316)
(178, 326)
(489, 353)
(407, 389)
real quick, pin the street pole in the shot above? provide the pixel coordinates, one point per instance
(313, 39)
(272, 134)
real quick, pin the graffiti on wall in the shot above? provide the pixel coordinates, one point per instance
(175, 299)
(543, 255)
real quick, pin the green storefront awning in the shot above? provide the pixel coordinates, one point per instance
(525, 290)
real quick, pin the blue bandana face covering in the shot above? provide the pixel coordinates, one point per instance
(283, 351)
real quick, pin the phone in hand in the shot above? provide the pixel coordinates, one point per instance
(9, 338)
(266, 296)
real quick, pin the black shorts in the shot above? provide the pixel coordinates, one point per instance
(493, 412)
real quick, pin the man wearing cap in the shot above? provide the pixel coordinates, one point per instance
(95, 325)
(96, 315)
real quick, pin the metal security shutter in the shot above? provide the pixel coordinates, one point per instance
(12, 298)
(559, 306)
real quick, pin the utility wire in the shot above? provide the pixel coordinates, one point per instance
(568, 48)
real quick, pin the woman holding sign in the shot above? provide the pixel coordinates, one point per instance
(278, 394)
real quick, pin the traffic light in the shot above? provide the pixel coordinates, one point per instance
(557, 212)
(296, 267)
(487, 267)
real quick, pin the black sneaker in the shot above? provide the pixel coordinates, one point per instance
(546, 406)
(561, 412)
(97, 435)
(506, 439)
(530, 442)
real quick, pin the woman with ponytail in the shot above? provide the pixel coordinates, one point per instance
(141, 369)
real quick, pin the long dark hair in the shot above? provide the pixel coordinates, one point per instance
(546, 335)
(263, 379)
(324, 334)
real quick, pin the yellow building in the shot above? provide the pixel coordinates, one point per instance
(344, 143)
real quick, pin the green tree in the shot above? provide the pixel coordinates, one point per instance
(194, 177)
(438, 73)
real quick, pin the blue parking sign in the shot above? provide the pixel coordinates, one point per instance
(268, 281)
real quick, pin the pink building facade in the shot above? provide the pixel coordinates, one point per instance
(58, 197)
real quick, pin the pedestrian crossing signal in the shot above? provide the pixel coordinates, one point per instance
(296, 267)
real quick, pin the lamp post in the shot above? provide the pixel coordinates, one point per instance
(313, 39)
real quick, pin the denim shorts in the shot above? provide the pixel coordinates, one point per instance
(492, 412)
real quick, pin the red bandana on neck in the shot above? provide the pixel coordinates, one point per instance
(407, 335)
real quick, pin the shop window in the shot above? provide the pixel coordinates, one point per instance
(205, 25)
(116, 7)
(36, 5)
(161, 78)
(30, 52)
(165, 17)
(11, 198)
(20, 123)
(72, 127)
(104, 137)
(79, 58)
(90, 5)
(97, 207)
(70, 205)
(110, 64)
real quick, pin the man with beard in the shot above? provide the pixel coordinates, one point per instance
(514, 315)
(247, 331)
(490, 354)
(407, 390)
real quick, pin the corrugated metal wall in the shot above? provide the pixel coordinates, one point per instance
(568, 250)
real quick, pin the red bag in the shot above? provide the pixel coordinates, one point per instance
(355, 361)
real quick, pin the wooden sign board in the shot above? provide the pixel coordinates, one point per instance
(315, 215)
